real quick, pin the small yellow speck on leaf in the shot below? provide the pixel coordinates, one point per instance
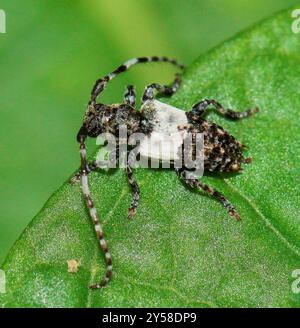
(73, 266)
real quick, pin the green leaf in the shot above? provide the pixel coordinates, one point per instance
(182, 248)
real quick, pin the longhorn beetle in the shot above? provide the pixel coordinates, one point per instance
(222, 152)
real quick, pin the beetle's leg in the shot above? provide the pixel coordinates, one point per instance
(95, 218)
(130, 96)
(195, 183)
(135, 191)
(96, 165)
(202, 107)
(162, 90)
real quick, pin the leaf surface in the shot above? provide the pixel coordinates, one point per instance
(182, 248)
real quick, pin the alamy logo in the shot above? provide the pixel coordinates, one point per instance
(2, 21)
(2, 282)
(179, 149)
(296, 23)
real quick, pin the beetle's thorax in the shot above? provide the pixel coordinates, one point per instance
(101, 118)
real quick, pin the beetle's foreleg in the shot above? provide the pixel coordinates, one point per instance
(96, 165)
(95, 218)
(90, 166)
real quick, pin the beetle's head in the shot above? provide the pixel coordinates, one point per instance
(95, 121)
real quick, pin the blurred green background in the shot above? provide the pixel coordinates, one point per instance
(51, 55)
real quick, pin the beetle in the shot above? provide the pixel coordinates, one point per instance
(221, 151)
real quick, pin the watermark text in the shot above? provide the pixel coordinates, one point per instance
(181, 150)
(2, 21)
(296, 22)
(2, 282)
(296, 283)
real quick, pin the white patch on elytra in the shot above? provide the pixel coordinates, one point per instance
(165, 139)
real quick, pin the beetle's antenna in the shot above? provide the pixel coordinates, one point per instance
(94, 216)
(101, 83)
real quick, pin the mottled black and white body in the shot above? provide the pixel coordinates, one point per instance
(161, 124)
